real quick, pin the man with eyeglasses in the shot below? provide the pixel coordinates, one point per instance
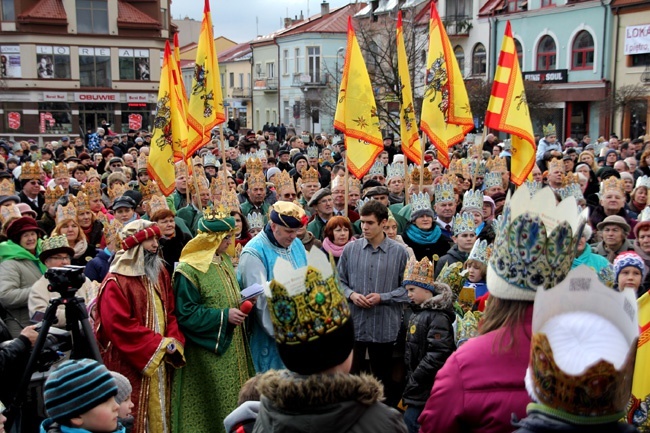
(323, 205)
(30, 183)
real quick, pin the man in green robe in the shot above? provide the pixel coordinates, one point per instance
(217, 353)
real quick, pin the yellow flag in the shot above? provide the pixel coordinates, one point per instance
(638, 410)
(508, 110)
(356, 111)
(177, 59)
(205, 110)
(411, 145)
(446, 114)
(170, 130)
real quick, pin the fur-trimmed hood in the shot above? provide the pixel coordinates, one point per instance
(323, 403)
(443, 298)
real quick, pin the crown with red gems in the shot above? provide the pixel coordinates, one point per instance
(420, 273)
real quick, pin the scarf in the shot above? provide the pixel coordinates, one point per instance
(582, 258)
(80, 248)
(479, 228)
(422, 237)
(12, 251)
(332, 248)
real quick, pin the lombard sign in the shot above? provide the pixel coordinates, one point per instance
(637, 39)
(547, 77)
(96, 97)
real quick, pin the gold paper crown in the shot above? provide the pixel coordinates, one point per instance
(556, 165)
(9, 213)
(117, 190)
(354, 184)
(30, 171)
(254, 165)
(306, 303)
(54, 242)
(455, 167)
(283, 181)
(548, 130)
(449, 178)
(180, 169)
(92, 174)
(92, 190)
(427, 177)
(52, 194)
(419, 273)
(475, 152)
(570, 179)
(64, 213)
(60, 170)
(142, 162)
(497, 165)
(229, 200)
(201, 181)
(70, 153)
(7, 187)
(197, 160)
(156, 203)
(81, 202)
(613, 184)
(219, 184)
(149, 189)
(112, 231)
(310, 176)
(256, 179)
(212, 213)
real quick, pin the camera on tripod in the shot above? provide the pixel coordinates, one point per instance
(65, 280)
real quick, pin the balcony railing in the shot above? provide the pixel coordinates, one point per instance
(239, 92)
(457, 25)
(306, 80)
(266, 84)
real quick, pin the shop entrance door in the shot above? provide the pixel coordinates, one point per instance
(92, 116)
(577, 120)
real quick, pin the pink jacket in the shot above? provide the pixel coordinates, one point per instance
(479, 387)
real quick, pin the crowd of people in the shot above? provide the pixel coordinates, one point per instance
(271, 291)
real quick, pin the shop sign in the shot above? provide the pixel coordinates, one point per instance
(14, 120)
(637, 39)
(55, 96)
(46, 117)
(135, 121)
(548, 77)
(96, 97)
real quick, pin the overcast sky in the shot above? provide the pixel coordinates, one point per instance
(236, 19)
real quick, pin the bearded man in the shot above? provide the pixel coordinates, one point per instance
(136, 327)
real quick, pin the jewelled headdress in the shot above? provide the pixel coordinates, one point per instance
(463, 223)
(533, 186)
(394, 170)
(142, 162)
(548, 130)
(219, 184)
(419, 274)
(229, 200)
(112, 231)
(473, 199)
(497, 165)
(311, 176)
(92, 190)
(9, 213)
(556, 165)
(7, 187)
(427, 176)
(30, 171)
(354, 184)
(210, 160)
(452, 275)
(181, 169)
(156, 203)
(420, 201)
(283, 182)
(117, 190)
(81, 202)
(444, 192)
(643, 181)
(535, 244)
(312, 152)
(481, 251)
(64, 213)
(255, 220)
(51, 194)
(377, 169)
(54, 242)
(613, 184)
(60, 170)
(492, 179)
(571, 190)
(149, 189)
(254, 165)
(92, 174)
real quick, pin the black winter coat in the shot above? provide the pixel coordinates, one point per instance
(429, 342)
(440, 247)
(540, 423)
(453, 256)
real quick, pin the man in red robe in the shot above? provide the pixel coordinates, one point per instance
(136, 327)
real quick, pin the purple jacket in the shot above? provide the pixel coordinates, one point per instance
(480, 386)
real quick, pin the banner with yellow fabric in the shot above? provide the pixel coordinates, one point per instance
(205, 108)
(411, 146)
(356, 111)
(170, 130)
(508, 110)
(446, 114)
(640, 402)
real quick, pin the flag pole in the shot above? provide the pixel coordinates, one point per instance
(422, 147)
(347, 185)
(406, 176)
(475, 175)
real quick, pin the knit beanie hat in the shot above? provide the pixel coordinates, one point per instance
(124, 388)
(75, 387)
(628, 258)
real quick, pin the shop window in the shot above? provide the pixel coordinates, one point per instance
(92, 16)
(8, 10)
(640, 59)
(583, 51)
(479, 65)
(10, 61)
(52, 62)
(54, 118)
(546, 54)
(134, 64)
(520, 54)
(547, 3)
(460, 58)
(95, 67)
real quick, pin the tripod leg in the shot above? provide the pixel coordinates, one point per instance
(77, 316)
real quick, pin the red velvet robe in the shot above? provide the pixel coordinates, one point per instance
(126, 334)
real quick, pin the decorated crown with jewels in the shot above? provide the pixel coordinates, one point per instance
(283, 181)
(497, 165)
(181, 169)
(535, 244)
(219, 183)
(92, 190)
(229, 200)
(571, 190)
(354, 184)
(570, 178)
(156, 203)
(51, 194)
(395, 170)
(455, 167)
(492, 179)
(9, 213)
(613, 184)
(420, 201)
(481, 251)
(312, 152)
(142, 162)
(201, 182)
(444, 192)
(643, 181)
(473, 199)
(555, 165)
(533, 186)
(427, 176)
(92, 174)
(261, 154)
(463, 223)
(475, 152)
(149, 189)
(645, 215)
(209, 159)
(117, 190)
(64, 213)
(548, 130)
(30, 171)
(60, 170)
(255, 220)
(256, 179)
(420, 273)
(7, 187)
(70, 153)
(81, 202)
(453, 276)
(254, 165)
(361, 202)
(197, 160)
(54, 242)
(377, 169)
(112, 231)
(212, 213)
(305, 303)
(477, 168)
(310, 175)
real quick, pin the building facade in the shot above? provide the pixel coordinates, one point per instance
(69, 66)
(565, 46)
(236, 83)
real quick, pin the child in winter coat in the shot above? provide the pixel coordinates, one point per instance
(429, 336)
(123, 398)
(629, 270)
(242, 419)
